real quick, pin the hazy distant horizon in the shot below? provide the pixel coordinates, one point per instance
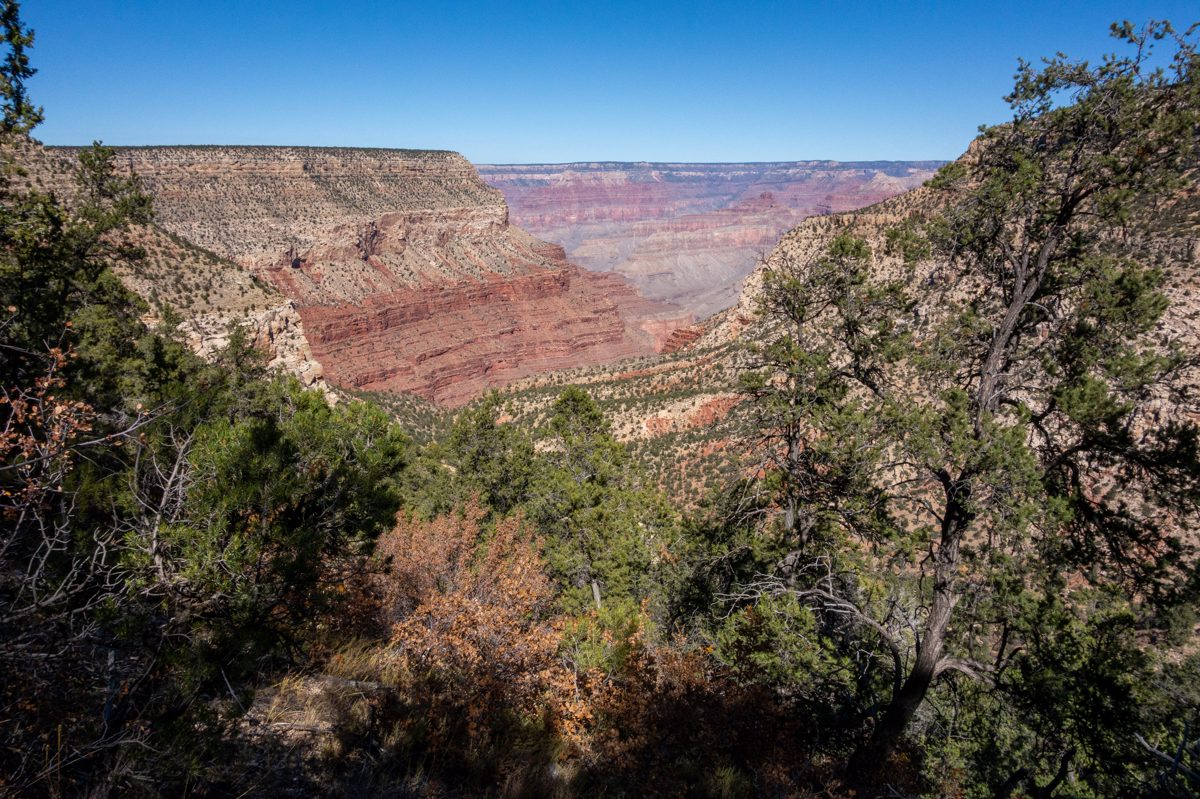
(599, 162)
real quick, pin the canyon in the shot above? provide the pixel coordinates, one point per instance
(682, 412)
(397, 270)
(683, 233)
(390, 270)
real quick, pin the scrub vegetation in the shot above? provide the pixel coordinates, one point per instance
(962, 562)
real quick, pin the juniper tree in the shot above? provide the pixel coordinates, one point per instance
(20, 115)
(983, 408)
(493, 459)
(602, 527)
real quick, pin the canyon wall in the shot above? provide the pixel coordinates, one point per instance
(682, 412)
(687, 233)
(207, 294)
(401, 265)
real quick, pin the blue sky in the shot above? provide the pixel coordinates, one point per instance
(522, 82)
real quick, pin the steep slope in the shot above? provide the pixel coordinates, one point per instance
(681, 412)
(210, 294)
(206, 293)
(401, 265)
(687, 233)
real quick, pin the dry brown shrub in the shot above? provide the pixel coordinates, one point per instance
(674, 719)
(484, 685)
(476, 655)
(38, 432)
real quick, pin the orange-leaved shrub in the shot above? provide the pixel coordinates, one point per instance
(484, 686)
(472, 649)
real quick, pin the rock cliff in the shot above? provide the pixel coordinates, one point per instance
(687, 233)
(208, 294)
(679, 412)
(401, 266)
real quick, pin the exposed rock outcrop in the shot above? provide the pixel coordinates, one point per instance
(277, 331)
(207, 294)
(401, 266)
(687, 233)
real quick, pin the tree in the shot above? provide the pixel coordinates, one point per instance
(602, 529)
(479, 658)
(61, 573)
(20, 116)
(988, 419)
(255, 507)
(494, 459)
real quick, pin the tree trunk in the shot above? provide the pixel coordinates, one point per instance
(869, 762)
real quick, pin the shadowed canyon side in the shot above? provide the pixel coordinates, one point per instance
(402, 265)
(688, 233)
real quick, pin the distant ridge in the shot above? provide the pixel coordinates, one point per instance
(687, 233)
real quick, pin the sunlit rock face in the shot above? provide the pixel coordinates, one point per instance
(687, 233)
(401, 264)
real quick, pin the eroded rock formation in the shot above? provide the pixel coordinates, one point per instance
(687, 233)
(401, 265)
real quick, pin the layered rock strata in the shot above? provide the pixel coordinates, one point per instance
(687, 233)
(208, 295)
(401, 265)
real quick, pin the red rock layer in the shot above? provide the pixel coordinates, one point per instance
(450, 343)
(402, 265)
(706, 414)
(681, 338)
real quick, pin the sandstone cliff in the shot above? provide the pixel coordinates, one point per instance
(401, 265)
(687, 233)
(208, 294)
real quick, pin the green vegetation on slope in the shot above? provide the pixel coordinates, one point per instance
(965, 564)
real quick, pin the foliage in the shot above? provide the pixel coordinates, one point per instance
(473, 651)
(601, 527)
(603, 530)
(482, 679)
(271, 497)
(495, 460)
(20, 115)
(979, 419)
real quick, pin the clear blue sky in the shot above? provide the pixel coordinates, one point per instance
(520, 82)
